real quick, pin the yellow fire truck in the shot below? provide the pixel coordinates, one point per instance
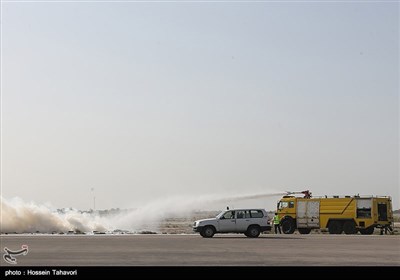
(349, 213)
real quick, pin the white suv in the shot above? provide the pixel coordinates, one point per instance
(251, 222)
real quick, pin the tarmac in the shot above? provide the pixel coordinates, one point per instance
(193, 250)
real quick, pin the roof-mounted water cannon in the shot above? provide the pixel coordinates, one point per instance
(307, 193)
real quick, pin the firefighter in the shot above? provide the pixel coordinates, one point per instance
(277, 224)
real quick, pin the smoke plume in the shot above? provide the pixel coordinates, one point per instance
(18, 216)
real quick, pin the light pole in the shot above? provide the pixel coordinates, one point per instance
(94, 200)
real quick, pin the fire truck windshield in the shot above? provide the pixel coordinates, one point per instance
(283, 204)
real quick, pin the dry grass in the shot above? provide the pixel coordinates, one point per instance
(184, 225)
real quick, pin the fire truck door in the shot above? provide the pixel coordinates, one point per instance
(307, 214)
(313, 214)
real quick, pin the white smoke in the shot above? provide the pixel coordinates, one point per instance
(18, 216)
(150, 215)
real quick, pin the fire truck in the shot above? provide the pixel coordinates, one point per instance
(348, 214)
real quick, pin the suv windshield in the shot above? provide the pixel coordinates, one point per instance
(220, 214)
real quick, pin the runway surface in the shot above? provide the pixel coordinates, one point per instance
(193, 250)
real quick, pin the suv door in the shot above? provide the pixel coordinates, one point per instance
(243, 220)
(227, 222)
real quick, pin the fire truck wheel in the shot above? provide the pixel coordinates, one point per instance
(335, 227)
(367, 231)
(288, 226)
(349, 227)
(304, 230)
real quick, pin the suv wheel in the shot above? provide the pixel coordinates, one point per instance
(208, 232)
(253, 231)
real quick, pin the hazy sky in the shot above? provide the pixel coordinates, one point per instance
(146, 100)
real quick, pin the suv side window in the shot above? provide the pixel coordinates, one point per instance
(256, 214)
(229, 215)
(241, 214)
